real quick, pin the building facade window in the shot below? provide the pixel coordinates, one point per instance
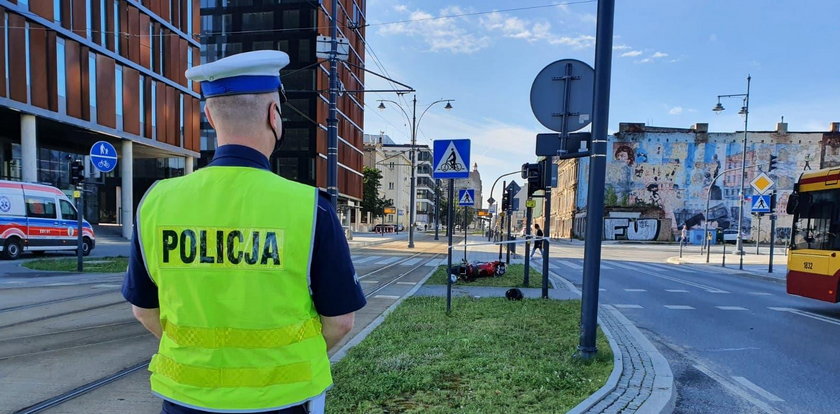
(181, 117)
(88, 19)
(57, 10)
(92, 83)
(151, 42)
(391, 186)
(118, 102)
(117, 26)
(26, 45)
(103, 22)
(142, 106)
(6, 48)
(61, 74)
(258, 20)
(154, 109)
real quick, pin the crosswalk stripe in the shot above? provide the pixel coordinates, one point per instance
(676, 290)
(389, 260)
(386, 297)
(625, 306)
(679, 307)
(366, 259)
(406, 283)
(369, 281)
(435, 262)
(635, 290)
(759, 293)
(675, 268)
(411, 262)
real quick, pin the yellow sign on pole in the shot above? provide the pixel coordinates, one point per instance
(390, 210)
(77, 194)
(530, 203)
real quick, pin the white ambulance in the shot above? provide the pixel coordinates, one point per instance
(37, 218)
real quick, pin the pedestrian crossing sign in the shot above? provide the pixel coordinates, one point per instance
(761, 203)
(466, 197)
(451, 158)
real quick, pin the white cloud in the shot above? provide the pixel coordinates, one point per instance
(675, 110)
(621, 47)
(466, 34)
(658, 55)
(632, 53)
(653, 57)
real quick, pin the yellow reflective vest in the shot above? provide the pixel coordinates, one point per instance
(229, 250)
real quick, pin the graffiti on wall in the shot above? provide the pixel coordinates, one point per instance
(643, 229)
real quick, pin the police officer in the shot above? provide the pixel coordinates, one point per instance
(244, 276)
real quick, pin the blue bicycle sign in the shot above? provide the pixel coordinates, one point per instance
(103, 156)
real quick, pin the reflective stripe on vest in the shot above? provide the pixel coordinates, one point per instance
(229, 250)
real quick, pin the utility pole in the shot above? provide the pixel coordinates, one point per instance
(332, 118)
(437, 208)
(413, 206)
(597, 171)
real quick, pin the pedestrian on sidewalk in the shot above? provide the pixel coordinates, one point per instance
(684, 234)
(537, 243)
(244, 276)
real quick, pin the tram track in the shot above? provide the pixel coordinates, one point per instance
(61, 314)
(54, 301)
(56, 400)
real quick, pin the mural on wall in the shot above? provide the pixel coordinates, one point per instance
(674, 172)
(642, 229)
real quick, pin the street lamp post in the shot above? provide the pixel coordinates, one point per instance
(414, 121)
(745, 110)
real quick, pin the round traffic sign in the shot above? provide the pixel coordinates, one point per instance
(103, 156)
(548, 95)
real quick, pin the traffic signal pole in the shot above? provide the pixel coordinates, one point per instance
(529, 213)
(597, 172)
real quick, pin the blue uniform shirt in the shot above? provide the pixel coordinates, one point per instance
(332, 276)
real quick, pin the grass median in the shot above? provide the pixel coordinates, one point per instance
(512, 278)
(490, 356)
(91, 264)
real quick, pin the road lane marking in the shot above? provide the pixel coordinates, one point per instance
(679, 307)
(807, 315)
(625, 306)
(676, 290)
(367, 259)
(386, 297)
(388, 260)
(407, 283)
(635, 290)
(733, 387)
(767, 395)
(412, 262)
(570, 264)
(759, 293)
(369, 281)
(601, 290)
(731, 308)
(676, 268)
(624, 266)
(435, 262)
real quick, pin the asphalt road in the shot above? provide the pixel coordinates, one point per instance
(735, 344)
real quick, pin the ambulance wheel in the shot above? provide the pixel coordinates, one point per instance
(86, 247)
(12, 249)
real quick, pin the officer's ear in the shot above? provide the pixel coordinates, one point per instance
(209, 117)
(274, 117)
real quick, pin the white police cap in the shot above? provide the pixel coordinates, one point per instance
(242, 73)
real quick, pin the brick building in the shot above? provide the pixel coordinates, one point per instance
(73, 72)
(234, 26)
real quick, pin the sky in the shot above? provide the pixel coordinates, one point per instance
(671, 58)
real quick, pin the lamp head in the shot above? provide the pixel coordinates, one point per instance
(448, 106)
(743, 111)
(382, 105)
(718, 107)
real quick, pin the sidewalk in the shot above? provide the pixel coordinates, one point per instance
(755, 266)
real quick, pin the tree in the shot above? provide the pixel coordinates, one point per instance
(371, 201)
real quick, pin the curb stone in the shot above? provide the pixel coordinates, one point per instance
(342, 352)
(661, 397)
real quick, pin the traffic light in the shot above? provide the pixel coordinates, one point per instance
(533, 173)
(773, 162)
(505, 200)
(77, 172)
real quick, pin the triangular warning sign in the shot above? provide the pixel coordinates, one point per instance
(466, 199)
(451, 160)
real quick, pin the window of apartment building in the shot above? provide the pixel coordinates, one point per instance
(151, 49)
(61, 74)
(117, 26)
(391, 165)
(118, 102)
(263, 45)
(391, 186)
(291, 19)
(304, 50)
(181, 117)
(92, 85)
(231, 48)
(227, 23)
(189, 60)
(154, 109)
(103, 22)
(258, 20)
(56, 10)
(141, 105)
(161, 51)
(88, 19)
(26, 45)
(6, 48)
(188, 28)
